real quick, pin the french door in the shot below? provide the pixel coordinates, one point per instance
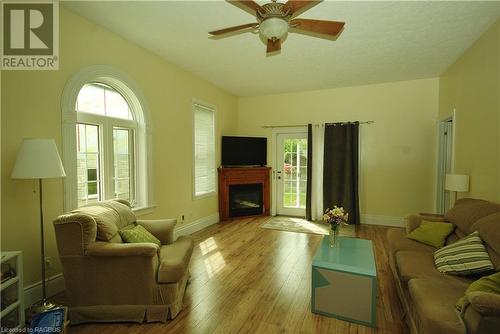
(291, 173)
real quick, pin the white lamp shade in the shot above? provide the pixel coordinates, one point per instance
(457, 182)
(273, 27)
(38, 159)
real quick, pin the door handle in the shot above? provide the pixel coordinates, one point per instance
(279, 175)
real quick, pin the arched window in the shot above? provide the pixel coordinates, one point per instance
(105, 140)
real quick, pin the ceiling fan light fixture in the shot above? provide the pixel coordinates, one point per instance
(273, 27)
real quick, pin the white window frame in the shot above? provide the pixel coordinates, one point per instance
(106, 125)
(120, 82)
(208, 107)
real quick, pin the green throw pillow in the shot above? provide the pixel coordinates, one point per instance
(138, 234)
(431, 233)
(467, 256)
(484, 284)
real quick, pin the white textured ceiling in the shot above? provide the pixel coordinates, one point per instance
(381, 42)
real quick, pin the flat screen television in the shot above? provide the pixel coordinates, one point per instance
(243, 151)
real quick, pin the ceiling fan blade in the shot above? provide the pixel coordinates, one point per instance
(247, 5)
(298, 7)
(231, 29)
(331, 28)
(273, 46)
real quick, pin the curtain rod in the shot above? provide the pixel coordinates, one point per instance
(304, 125)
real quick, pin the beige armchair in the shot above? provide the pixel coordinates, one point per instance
(109, 280)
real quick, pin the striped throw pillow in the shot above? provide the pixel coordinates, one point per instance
(467, 256)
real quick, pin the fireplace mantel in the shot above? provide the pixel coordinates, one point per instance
(242, 175)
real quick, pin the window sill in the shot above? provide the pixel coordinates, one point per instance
(144, 210)
(211, 194)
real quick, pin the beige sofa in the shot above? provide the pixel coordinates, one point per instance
(108, 280)
(428, 296)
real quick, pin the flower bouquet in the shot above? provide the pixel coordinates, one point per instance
(335, 218)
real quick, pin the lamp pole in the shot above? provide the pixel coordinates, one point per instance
(44, 305)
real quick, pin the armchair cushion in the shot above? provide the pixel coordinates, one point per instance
(138, 234)
(163, 229)
(105, 218)
(174, 260)
(116, 249)
(110, 216)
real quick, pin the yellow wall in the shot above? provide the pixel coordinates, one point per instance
(31, 108)
(471, 86)
(398, 152)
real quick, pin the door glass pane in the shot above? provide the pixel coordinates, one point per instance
(123, 155)
(88, 166)
(294, 173)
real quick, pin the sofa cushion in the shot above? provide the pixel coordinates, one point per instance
(489, 230)
(467, 211)
(467, 256)
(431, 233)
(174, 260)
(397, 241)
(414, 264)
(433, 302)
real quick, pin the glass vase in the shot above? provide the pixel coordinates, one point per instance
(333, 236)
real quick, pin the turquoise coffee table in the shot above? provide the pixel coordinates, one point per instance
(344, 281)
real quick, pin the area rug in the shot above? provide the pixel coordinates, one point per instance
(300, 225)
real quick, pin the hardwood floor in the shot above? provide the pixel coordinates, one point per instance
(246, 279)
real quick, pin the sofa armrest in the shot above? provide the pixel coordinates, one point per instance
(110, 249)
(163, 229)
(485, 303)
(413, 221)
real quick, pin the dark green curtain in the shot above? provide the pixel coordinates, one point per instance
(340, 168)
(309, 172)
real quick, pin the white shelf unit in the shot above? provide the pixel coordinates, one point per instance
(12, 314)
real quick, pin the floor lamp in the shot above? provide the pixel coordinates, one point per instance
(457, 183)
(39, 159)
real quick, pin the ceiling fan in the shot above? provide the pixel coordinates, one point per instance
(274, 19)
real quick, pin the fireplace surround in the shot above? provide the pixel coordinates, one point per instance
(243, 191)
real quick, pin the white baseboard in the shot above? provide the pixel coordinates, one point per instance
(196, 225)
(383, 220)
(33, 292)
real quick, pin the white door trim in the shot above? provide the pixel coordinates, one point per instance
(444, 154)
(274, 141)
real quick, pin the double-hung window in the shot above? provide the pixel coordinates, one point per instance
(204, 150)
(106, 145)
